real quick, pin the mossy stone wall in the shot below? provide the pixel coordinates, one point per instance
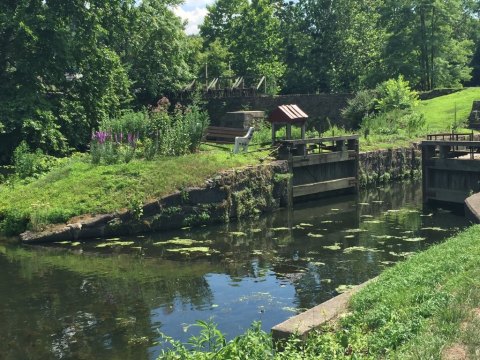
(376, 167)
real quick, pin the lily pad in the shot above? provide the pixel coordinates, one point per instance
(363, 204)
(237, 233)
(327, 221)
(401, 254)
(116, 243)
(314, 235)
(326, 281)
(336, 246)
(63, 242)
(427, 215)
(372, 222)
(355, 248)
(306, 225)
(378, 201)
(354, 231)
(349, 236)
(113, 239)
(415, 239)
(179, 242)
(318, 263)
(335, 209)
(280, 229)
(256, 231)
(193, 250)
(344, 288)
(366, 216)
(386, 237)
(434, 229)
(76, 243)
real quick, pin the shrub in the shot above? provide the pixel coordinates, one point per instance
(395, 94)
(359, 107)
(31, 164)
(154, 132)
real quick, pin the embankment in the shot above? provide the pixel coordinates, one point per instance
(231, 194)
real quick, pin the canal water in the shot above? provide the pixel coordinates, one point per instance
(111, 299)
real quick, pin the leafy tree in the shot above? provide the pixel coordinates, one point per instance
(159, 51)
(218, 24)
(423, 43)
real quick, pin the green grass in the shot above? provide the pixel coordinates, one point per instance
(79, 187)
(414, 310)
(440, 112)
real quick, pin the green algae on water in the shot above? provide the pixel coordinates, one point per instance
(336, 246)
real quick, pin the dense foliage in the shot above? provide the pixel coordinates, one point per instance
(68, 66)
(149, 133)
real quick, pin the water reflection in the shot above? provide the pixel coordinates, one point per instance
(110, 302)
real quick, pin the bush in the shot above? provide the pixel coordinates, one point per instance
(152, 133)
(395, 94)
(360, 106)
(31, 164)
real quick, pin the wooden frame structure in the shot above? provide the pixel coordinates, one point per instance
(450, 167)
(321, 165)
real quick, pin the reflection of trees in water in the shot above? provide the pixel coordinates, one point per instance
(69, 310)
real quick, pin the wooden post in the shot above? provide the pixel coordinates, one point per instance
(289, 131)
(444, 150)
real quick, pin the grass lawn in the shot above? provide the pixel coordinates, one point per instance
(440, 112)
(423, 308)
(79, 187)
(439, 115)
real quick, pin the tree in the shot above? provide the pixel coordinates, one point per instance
(158, 55)
(423, 42)
(220, 19)
(58, 78)
(251, 32)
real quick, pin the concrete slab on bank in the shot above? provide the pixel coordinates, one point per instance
(302, 324)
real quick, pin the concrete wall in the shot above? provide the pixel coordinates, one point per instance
(318, 107)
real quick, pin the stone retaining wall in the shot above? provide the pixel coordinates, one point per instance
(381, 166)
(231, 194)
(317, 106)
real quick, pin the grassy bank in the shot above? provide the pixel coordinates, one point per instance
(444, 112)
(423, 308)
(78, 187)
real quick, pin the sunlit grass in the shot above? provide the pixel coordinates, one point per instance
(444, 112)
(79, 187)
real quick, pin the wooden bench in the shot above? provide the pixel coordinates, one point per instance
(223, 135)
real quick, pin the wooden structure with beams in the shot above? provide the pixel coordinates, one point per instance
(287, 115)
(322, 165)
(450, 167)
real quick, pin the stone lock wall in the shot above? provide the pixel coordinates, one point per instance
(231, 194)
(386, 165)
